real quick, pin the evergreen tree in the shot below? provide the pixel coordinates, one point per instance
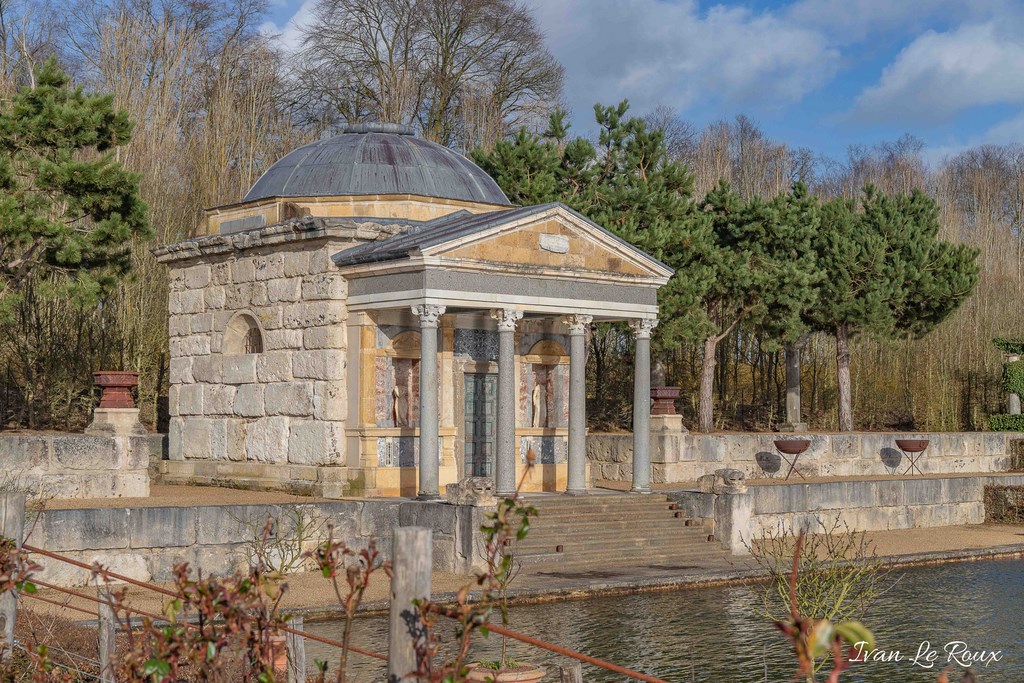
(68, 210)
(885, 273)
(626, 183)
(763, 272)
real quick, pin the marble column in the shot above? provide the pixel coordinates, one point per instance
(429, 315)
(642, 404)
(505, 451)
(576, 483)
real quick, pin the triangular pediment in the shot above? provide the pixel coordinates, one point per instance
(556, 239)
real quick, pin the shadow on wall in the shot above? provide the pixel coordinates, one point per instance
(891, 458)
(770, 463)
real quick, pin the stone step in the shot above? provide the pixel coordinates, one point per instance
(591, 564)
(675, 532)
(609, 512)
(620, 547)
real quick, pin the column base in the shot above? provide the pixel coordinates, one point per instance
(428, 496)
(646, 489)
(793, 427)
(577, 492)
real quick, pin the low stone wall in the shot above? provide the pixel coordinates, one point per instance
(877, 505)
(685, 457)
(78, 465)
(146, 542)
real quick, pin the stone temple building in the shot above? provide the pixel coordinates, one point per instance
(375, 318)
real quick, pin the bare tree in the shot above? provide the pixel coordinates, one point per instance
(464, 71)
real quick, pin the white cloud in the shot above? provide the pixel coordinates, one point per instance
(289, 36)
(852, 21)
(941, 74)
(654, 52)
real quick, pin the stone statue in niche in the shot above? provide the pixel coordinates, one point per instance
(400, 407)
(540, 406)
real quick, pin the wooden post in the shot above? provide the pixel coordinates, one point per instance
(107, 635)
(411, 562)
(12, 525)
(296, 646)
(572, 673)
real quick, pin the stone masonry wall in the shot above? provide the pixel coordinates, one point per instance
(146, 542)
(78, 465)
(681, 457)
(284, 405)
(877, 505)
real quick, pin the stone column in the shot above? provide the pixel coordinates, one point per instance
(1013, 400)
(793, 423)
(429, 315)
(505, 452)
(576, 483)
(642, 404)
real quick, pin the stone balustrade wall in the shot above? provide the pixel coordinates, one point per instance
(683, 457)
(78, 465)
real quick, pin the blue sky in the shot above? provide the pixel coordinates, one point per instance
(822, 74)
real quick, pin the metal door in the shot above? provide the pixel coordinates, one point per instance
(481, 407)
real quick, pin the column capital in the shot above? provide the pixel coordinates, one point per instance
(577, 323)
(507, 318)
(642, 327)
(429, 314)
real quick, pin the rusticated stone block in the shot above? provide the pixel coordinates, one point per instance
(289, 398)
(322, 365)
(325, 337)
(274, 366)
(161, 527)
(190, 399)
(324, 286)
(84, 452)
(266, 440)
(284, 289)
(23, 452)
(239, 369)
(313, 314)
(313, 442)
(249, 401)
(208, 368)
(181, 371)
(195, 435)
(329, 400)
(197, 277)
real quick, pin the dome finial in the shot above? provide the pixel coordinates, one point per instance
(378, 127)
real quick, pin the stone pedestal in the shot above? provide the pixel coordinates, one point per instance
(115, 422)
(667, 442)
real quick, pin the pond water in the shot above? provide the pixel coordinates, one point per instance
(714, 635)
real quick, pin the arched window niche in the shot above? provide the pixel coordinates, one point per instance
(243, 334)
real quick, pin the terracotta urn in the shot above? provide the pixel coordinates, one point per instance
(912, 445)
(117, 388)
(792, 446)
(664, 400)
(521, 673)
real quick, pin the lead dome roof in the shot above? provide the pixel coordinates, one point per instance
(377, 159)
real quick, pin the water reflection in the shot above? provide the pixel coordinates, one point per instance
(715, 635)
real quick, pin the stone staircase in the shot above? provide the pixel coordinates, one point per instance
(592, 533)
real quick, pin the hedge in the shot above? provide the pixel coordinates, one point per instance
(1005, 422)
(1013, 377)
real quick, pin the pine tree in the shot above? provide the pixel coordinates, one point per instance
(625, 183)
(885, 273)
(68, 210)
(762, 272)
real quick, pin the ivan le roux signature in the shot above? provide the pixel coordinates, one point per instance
(957, 652)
